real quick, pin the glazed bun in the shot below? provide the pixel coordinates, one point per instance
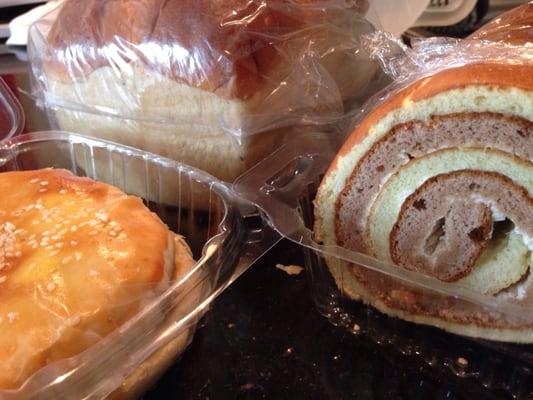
(78, 258)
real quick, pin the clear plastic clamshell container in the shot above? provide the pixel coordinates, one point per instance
(284, 186)
(11, 114)
(223, 232)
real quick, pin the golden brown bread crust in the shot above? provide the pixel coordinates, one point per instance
(514, 26)
(499, 75)
(77, 258)
(203, 43)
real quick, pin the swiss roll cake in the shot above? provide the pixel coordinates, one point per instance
(438, 179)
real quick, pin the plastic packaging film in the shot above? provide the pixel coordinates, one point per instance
(149, 324)
(11, 114)
(217, 85)
(439, 165)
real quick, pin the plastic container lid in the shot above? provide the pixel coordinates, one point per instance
(11, 113)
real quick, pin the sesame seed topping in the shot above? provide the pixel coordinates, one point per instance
(66, 260)
(112, 233)
(3, 279)
(59, 245)
(54, 253)
(51, 286)
(12, 316)
(73, 243)
(102, 216)
(34, 180)
(63, 191)
(42, 190)
(74, 228)
(93, 273)
(77, 256)
(44, 183)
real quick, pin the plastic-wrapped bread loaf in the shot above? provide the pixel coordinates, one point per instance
(438, 179)
(214, 84)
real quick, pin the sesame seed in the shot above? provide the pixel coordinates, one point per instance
(77, 256)
(9, 227)
(42, 190)
(93, 273)
(63, 191)
(102, 216)
(66, 260)
(74, 228)
(73, 243)
(112, 233)
(12, 316)
(34, 222)
(50, 287)
(18, 254)
(3, 279)
(54, 253)
(59, 245)
(44, 183)
(34, 180)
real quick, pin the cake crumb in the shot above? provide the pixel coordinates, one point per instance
(463, 362)
(290, 269)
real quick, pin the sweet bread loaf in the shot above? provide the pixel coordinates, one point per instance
(438, 179)
(78, 258)
(175, 77)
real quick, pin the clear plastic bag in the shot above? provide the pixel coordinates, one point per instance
(222, 231)
(217, 86)
(285, 187)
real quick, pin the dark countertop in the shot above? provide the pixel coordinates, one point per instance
(264, 339)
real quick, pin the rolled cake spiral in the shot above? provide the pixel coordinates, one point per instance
(438, 179)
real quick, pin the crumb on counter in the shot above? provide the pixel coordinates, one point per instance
(290, 269)
(463, 362)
